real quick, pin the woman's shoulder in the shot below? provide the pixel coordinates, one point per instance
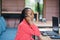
(21, 24)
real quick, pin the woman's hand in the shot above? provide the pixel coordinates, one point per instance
(29, 19)
(44, 37)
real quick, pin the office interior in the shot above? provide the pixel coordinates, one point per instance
(10, 11)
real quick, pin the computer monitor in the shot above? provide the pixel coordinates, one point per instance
(55, 24)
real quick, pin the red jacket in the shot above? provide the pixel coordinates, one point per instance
(26, 31)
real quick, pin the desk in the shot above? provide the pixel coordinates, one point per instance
(9, 12)
(44, 38)
(47, 38)
(17, 12)
(44, 24)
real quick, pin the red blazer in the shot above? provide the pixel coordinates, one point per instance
(26, 31)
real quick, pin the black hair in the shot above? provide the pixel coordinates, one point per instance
(23, 14)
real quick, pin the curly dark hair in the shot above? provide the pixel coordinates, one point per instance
(23, 14)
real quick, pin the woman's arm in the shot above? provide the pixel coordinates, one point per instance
(40, 37)
(44, 37)
(32, 26)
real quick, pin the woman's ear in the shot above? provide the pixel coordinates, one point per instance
(25, 15)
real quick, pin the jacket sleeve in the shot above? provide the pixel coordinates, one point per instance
(36, 30)
(32, 29)
(25, 29)
(17, 33)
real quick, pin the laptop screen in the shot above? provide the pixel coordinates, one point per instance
(55, 21)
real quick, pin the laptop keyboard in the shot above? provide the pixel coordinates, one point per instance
(55, 37)
(48, 33)
(52, 34)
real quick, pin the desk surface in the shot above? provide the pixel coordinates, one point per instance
(43, 38)
(14, 12)
(48, 38)
(44, 24)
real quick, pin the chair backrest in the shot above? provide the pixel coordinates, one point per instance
(3, 23)
(55, 24)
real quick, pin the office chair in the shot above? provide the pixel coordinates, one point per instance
(2, 24)
(6, 33)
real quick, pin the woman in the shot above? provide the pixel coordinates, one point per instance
(26, 27)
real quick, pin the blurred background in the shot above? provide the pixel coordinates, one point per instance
(46, 16)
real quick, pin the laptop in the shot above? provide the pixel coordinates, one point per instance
(55, 33)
